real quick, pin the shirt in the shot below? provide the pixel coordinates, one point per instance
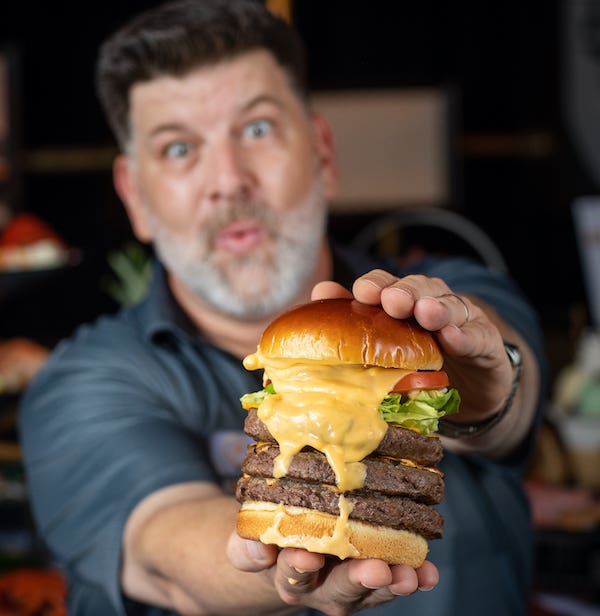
(140, 400)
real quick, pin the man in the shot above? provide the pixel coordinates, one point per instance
(131, 433)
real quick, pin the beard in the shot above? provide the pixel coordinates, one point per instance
(265, 280)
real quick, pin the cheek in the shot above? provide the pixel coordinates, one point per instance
(288, 179)
(169, 198)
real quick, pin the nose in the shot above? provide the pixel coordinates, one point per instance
(227, 173)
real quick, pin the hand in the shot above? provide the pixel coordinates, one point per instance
(466, 330)
(332, 586)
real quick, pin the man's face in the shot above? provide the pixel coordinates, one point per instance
(228, 175)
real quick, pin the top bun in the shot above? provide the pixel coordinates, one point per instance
(345, 331)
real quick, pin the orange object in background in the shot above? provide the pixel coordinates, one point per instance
(25, 229)
(33, 592)
(20, 360)
(28, 243)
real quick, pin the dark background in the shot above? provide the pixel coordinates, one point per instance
(517, 171)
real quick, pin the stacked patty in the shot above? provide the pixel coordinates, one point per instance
(401, 483)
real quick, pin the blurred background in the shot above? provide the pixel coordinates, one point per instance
(478, 129)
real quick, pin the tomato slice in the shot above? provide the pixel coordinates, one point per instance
(422, 380)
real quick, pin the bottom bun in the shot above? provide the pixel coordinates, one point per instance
(320, 532)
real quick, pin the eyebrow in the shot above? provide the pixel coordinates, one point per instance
(259, 100)
(247, 106)
(165, 128)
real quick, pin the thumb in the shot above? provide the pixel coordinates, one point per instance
(247, 555)
(327, 289)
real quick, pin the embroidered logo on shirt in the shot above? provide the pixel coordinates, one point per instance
(227, 451)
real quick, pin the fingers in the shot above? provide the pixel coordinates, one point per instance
(397, 296)
(369, 288)
(298, 573)
(336, 587)
(401, 580)
(247, 555)
(301, 580)
(462, 327)
(328, 289)
(428, 576)
(434, 313)
(455, 300)
(429, 300)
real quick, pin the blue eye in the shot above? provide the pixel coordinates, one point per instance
(258, 129)
(179, 149)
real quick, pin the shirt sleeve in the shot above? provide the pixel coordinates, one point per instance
(99, 434)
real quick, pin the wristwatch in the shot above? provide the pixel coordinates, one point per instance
(461, 430)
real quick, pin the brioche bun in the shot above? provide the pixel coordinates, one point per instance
(342, 331)
(329, 367)
(296, 524)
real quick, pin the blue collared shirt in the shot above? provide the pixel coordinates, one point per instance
(140, 400)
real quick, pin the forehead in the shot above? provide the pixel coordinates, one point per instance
(225, 87)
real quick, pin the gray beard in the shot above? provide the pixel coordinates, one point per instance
(253, 286)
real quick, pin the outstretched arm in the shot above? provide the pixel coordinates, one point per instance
(179, 553)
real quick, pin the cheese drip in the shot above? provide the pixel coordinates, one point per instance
(332, 408)
(338, 543)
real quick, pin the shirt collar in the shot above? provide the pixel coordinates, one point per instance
(160, 313)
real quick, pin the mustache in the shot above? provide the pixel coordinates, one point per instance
(240, 209)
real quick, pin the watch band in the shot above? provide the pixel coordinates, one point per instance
(459, 430)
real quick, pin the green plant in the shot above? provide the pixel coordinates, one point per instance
(132, 271)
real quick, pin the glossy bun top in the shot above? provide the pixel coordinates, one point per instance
(348, 332)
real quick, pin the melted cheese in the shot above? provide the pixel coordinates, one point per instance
(332, 408)
(338, 543)
(412, 464)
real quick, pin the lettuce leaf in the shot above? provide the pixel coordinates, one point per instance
(419, 413)
(252, 400)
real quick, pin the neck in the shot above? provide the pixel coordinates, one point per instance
(237, 336)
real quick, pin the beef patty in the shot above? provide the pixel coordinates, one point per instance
(397, 442)
(398, 492)
(384, 475)
(370, 507)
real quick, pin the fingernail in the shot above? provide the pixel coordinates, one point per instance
(372, 283)
(425, 588)
(255, 551)
(300, 571)
(370, 587)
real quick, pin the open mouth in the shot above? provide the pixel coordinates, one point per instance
(239, 237)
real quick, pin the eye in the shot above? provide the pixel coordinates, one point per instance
(258, 129)
(178, 149)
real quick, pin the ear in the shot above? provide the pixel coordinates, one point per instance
(324, 142)
(127, 189)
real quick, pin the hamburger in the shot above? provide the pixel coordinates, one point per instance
(345, 452)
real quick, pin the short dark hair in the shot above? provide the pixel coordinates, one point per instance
(177, 37)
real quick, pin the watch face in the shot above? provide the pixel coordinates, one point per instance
(514, 353)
